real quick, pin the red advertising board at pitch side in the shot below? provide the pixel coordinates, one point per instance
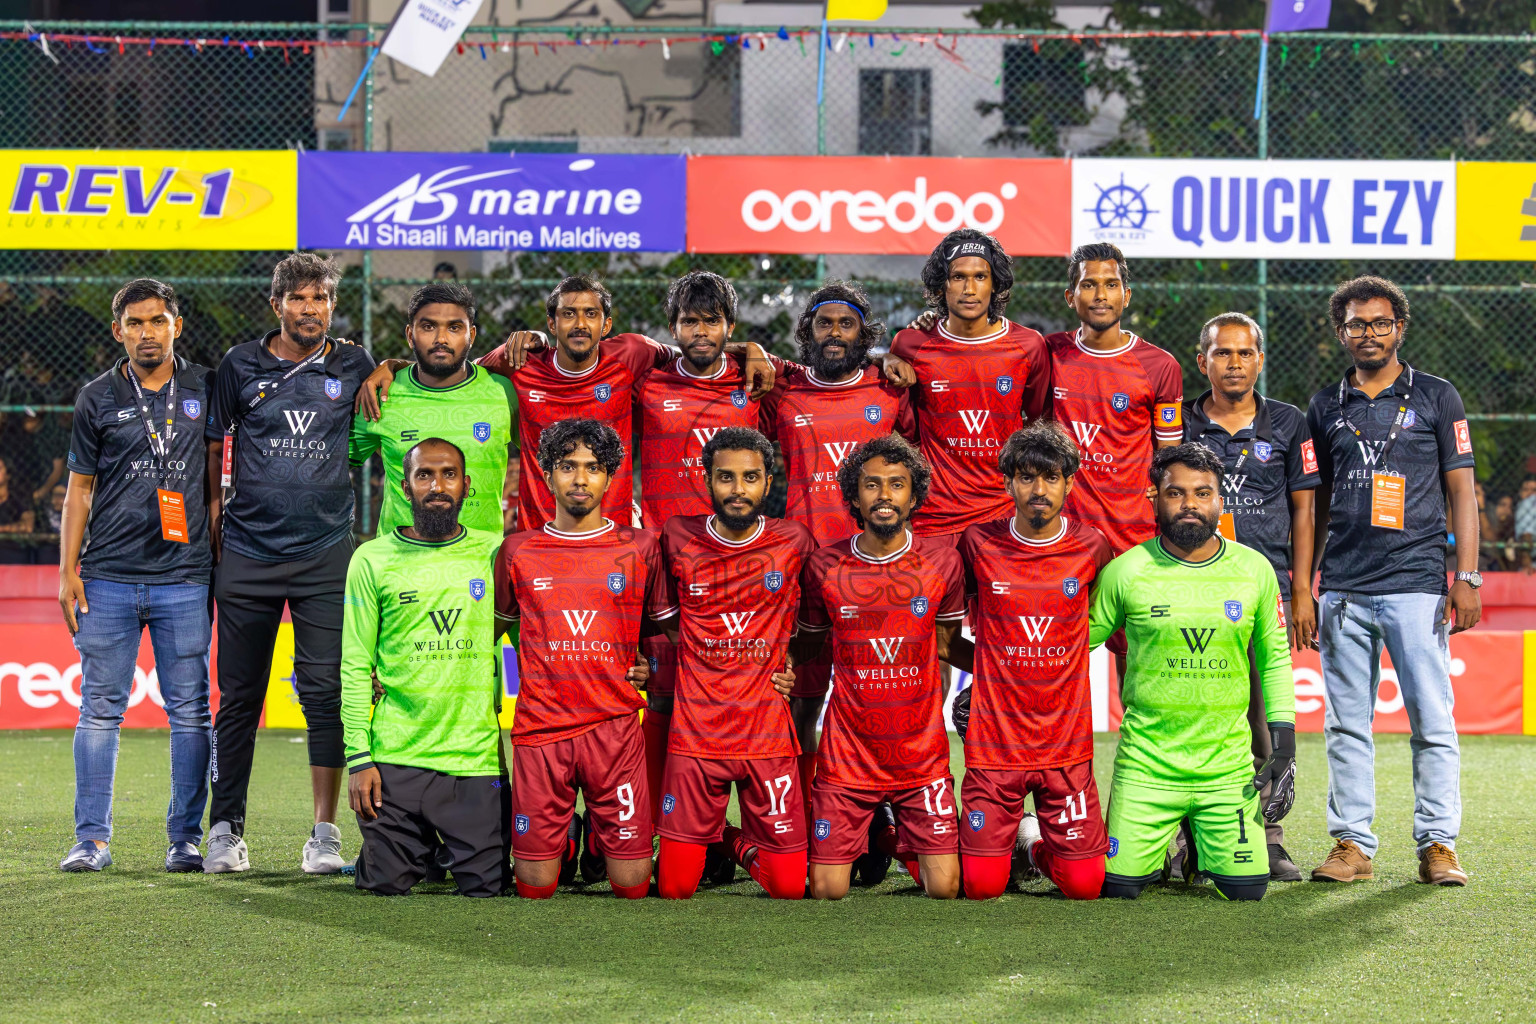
(875, 204)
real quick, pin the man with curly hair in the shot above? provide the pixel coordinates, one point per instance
(893, 604)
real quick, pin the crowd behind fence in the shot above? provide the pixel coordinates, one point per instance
(752, 90)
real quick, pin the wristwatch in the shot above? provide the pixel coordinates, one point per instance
(1472, 579)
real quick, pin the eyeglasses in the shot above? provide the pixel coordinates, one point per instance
(1380, 328)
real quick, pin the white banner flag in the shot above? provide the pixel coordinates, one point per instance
(424, 31)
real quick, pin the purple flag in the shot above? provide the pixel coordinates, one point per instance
(1296, 15)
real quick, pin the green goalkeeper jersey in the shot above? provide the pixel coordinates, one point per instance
(478, 414)
(1189, 626)
(422, 617)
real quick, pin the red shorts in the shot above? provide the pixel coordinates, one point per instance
(662, 654)
(814, 678)
(1066, 803)
(926, 823)
(607, 763)
(696, 791)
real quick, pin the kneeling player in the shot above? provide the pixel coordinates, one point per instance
(429, 762)
(737, 576)
(1031, 715)
(579, 586)
(898, 604)
(1191, 605)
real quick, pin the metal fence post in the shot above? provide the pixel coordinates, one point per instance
(366, 518)
(1262, 270)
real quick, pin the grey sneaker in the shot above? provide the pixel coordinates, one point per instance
(322, 851)
(183, 857)
(86, 856)
(226, 851)
(1029, 835)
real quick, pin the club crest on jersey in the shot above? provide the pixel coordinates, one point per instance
(332, 388)
(482, 432)
(976, 819)
(1069, 586)
(773, 581)
(602, 392)
(1004, 384)
(823, 828)
(1409, 419)
(477, 588)
(1234, 610)
(668, 804)
(1169, 413)
(872, 413)
(521, 824)
(1262, 450)
(739, 398)
(1120, 401)
(919, 606)
(1114, 846)
(616, 582)
(192, 408)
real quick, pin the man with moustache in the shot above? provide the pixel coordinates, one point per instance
(281, 528)
(1392, 443)
(425, 760)
(137, 481)
(1193, 605)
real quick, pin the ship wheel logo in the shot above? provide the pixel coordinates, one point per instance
(1121, 206)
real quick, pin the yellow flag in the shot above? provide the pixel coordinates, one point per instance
(855, 10)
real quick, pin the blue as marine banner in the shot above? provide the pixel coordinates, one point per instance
(537, 201)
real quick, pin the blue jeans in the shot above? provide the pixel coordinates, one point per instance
(108, 642)
(1352, 630)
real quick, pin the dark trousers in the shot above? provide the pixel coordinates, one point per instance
(250, 595)
(473, 814)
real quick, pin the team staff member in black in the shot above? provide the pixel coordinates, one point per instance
(282, 533)
(136, 478)
(1268, 481)
(1392, 444)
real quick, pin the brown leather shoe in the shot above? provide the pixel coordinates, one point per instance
(1346, 862)
(1438, 866)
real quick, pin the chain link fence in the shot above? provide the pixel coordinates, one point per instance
(752, 90)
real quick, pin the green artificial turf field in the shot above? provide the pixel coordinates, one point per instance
(137, 944)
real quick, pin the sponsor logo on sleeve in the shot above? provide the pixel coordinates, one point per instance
(1308, 456)
(1114, 846)
(668, 804)
(1463, 438)
(1280, 611)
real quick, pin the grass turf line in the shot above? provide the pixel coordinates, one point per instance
(274, 945)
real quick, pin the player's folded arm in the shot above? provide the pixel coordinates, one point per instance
(359, 650)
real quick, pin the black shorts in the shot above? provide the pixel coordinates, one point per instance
(472, 813)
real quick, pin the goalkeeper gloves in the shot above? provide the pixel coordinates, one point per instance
(960, 712)
(1279, 771)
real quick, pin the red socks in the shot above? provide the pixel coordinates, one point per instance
(914, 869)
(782, 874)
(679, 869)
(535, 892)
(631, 892)
(654, 728)
(984, 878)
(1077, 879)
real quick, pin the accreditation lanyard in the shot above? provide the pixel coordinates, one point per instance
(1388, 489)
(1227, 525)
(170, 503)
(227, 474)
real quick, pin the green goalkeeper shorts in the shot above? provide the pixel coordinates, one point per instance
(1229, 834)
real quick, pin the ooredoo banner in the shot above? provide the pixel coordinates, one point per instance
(871, 204)
(1247, 209)
(539, 201)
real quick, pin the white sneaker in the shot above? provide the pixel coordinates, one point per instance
(322, 851)
(226, 851)
(1023, 861)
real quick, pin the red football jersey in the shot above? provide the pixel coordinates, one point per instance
(737, 603)
(817, 423)
(1115, 403)
(604, 392)
(679, 412)
(970, 395)
(1031, 708)
(579, 597)
(884, 729)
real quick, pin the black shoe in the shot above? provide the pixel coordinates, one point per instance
(1281, 868)
(719, 866)
(438, 864)
(594, 866)
(1186, 861)
(871, 867)
(568, 862)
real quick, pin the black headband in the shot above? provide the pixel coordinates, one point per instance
(969, 249)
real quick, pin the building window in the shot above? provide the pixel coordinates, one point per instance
(1042, 88)
(896, 112)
